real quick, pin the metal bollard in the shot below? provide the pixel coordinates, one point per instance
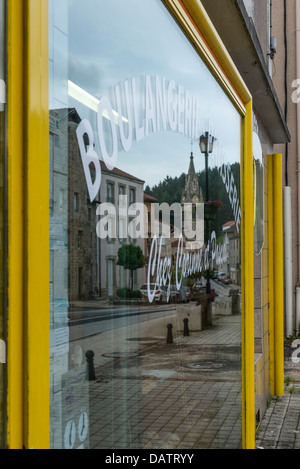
(186, 331)
(90, 372)
(170, 335)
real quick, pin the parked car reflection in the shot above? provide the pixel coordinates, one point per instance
(175, 296)
(159, 292)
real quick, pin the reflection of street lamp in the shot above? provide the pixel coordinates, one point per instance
(206, 143)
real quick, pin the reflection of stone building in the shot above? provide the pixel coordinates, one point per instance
(231, 240)
(154, 222)
(92, 269)
(115, 185)
(58, 196)
(148, 201)
(83, 241)
(73, 218)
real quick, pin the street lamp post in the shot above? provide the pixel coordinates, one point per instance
(206, 144)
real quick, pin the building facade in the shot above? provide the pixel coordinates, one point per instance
(285, 27)
(121, 190)
(125, 101)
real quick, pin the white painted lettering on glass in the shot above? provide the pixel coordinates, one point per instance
(187, 263)
(152, 106)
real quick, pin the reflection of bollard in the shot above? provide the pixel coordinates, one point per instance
(170, 335)
(235, 301)
(186, 331)
(90, 372)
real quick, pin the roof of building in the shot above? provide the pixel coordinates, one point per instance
(120, 173)
(149, 198)
(73, 116)
(229, 225)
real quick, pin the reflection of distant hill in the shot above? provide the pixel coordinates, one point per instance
(170, 190)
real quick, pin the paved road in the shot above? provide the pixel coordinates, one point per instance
(88, 320)
(109, 318)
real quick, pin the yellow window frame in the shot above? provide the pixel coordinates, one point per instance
(28, 225)
(28, 211)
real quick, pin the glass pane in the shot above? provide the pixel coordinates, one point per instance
(2, 231)
(258, 177)
(144, 232)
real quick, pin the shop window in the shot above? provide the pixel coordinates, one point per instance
(135, 112)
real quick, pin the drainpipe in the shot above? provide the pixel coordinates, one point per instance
(298, 162)
(288, 260)
(287, 214)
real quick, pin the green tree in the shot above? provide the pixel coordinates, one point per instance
(131, 258)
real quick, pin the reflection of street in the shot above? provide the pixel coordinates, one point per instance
(185, 395)
(220, 289)
(150, 394)
(106, 318)
(88, 318)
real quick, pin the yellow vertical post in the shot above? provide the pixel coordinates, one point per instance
(271, 273)
(36, 226)
(278, 276)
(15, 224)
(248, 285)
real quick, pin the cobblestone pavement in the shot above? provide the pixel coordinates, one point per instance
(280, 426)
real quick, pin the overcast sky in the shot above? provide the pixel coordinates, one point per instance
(111, 41)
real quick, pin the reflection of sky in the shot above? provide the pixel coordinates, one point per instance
(110, 41)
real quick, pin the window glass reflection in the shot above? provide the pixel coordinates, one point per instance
(145, 253)
(2, 230)
(258, 177)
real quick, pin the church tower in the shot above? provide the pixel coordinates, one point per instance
(192, 193)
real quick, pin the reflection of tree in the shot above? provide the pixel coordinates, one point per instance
(170, 191)
(131, 258)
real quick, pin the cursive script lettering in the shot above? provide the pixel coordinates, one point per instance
(187, 263)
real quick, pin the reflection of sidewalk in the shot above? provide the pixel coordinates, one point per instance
(93, 303)
(181, 395)
(280, 426)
